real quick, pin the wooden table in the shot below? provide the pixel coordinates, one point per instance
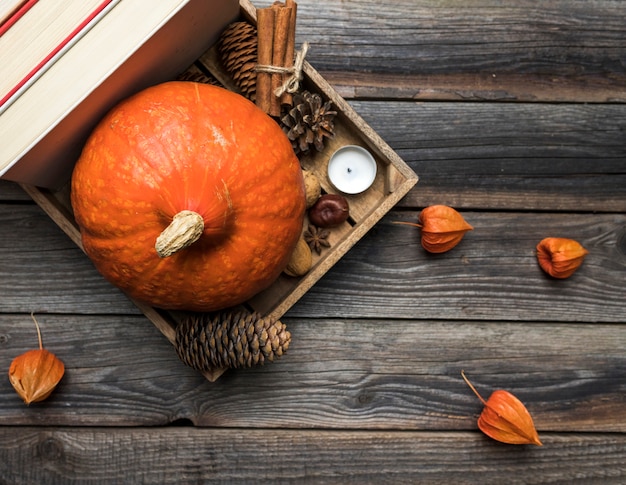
(514, 113)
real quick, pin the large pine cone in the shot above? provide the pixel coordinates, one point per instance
(237, 47)
(229, 340)
(308, 122)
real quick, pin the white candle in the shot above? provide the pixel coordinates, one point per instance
(352, 169)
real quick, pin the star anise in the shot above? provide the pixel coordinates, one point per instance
(317, 238)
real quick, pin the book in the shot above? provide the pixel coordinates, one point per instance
(36, 33)
(100, 54)
(10, 12)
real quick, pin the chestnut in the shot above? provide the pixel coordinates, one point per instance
(329, 210)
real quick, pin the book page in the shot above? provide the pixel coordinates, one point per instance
(33, 40)
(8, 8)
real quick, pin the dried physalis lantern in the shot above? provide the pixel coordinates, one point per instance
(560, 257)
(506, 419)
(35, 373)
(442, 228)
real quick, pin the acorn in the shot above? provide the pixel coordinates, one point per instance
(301, 260)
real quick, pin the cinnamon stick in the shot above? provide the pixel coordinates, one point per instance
(282, 21)
(287, 98)
(265, 46)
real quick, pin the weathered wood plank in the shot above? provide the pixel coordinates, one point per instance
(492, 275)
(188, 455)
(338, 373)
(491, 87)
(508, 156)
(10, 191)
(42, 270)
(512, 50)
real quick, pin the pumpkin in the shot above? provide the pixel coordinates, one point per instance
(209, 176)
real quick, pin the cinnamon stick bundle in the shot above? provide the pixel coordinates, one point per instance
(276, 31)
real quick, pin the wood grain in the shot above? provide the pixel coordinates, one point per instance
(516, 51)
(481, 86)
(188, 455)
(508, 156)
(512, 112)
(338, 374)
(10, 191)
(34, 249)
(493, 274)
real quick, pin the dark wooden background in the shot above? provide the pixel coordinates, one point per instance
(513, 112)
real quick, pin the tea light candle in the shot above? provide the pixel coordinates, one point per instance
(352, 169)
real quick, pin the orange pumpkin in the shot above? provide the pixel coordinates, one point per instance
(197, 157)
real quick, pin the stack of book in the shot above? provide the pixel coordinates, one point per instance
(63, 64)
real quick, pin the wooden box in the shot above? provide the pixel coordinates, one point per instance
(393, 180)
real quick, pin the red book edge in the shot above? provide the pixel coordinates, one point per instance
(18, 14)
(18, 11)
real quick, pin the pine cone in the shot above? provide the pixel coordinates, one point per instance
(308, 122)
(237, 47)
(230, 340)
(198, 77)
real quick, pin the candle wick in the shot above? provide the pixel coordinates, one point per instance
(349, 170)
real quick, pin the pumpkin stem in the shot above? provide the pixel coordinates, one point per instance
(184, 230)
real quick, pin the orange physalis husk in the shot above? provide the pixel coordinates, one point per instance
(560, 257)
(36, 373)
(506, 419)
(442, 228)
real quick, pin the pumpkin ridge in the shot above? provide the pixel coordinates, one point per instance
(149, 165)
(171, 205)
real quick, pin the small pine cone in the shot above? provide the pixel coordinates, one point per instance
(237, 47)
(198, 77)
(308, 122)
(230, 340)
